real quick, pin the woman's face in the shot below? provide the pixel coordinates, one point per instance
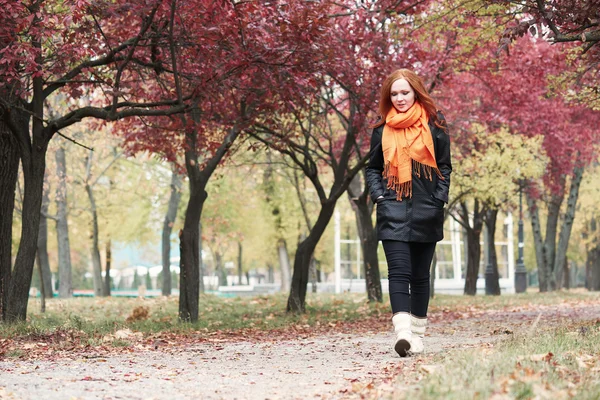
(402, 95)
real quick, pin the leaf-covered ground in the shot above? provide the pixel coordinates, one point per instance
(328, 353)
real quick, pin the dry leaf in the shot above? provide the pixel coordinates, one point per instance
(430, 369)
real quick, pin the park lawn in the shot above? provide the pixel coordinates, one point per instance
(101, 316)
(561, 362)
(98, 317)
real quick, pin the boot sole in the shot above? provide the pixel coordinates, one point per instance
(402, 346)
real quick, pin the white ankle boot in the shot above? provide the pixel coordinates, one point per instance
(417, 327)
(401, 323)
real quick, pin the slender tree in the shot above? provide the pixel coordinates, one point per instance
(42, 250)
(65, 289)
(169, 220)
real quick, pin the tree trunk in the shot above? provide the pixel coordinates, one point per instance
(269, 186)
(95, 250)
(107, 280)
(592, 266)
(201, 267)
(473, 234)
(284, 265)
(297, 298)
(33, 158)
(65, 288)
(432, 276)
(240, 270)
(189, 278)
(42, 290)
(592, 262)
(473, 257)
(492, 281)
(566, 281)
(549, 249)
(220, 269)
(363, 209)
(189, 271)
(32, 200)
(270, 274)
(174, 199)
(567, 226)
(189, 248)
(538, 243)
(313, 274)
(9, 169)
(42, 248)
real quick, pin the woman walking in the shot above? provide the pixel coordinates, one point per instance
(409, 178)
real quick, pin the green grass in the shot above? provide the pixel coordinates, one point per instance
(15, 353)
(98, 317)
(532, 297)
(556, 363)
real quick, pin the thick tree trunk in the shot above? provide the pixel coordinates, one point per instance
(107, 280)
(24, 263)
(297, 298)
(9, 169)
(33, 158)
(284, 265)
(42, 248)
(95, 249)
(473, 257)
(174, 199)
(492, 281)
(190, 252)
(363, 210)
(473, 234)
(189, 272)
(565, 231)
(65, 288)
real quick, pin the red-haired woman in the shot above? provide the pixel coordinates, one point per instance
(409, 178)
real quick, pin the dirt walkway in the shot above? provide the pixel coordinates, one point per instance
(327, 367)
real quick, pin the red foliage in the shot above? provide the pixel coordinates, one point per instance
(513, 91)
(237, 61)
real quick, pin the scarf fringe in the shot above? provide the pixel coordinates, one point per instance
(404, 189)
(427, 170)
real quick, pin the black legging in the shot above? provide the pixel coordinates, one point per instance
(408, 266)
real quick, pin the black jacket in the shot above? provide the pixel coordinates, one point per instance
(416, 219)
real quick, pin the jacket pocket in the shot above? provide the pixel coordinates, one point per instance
(438, 203)
(427, 214)
(391, 216)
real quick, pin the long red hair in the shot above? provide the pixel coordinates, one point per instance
(421, 95)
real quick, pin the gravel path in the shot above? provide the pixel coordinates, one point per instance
(318, 367)
(323, 367)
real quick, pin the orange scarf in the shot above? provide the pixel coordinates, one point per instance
(407, 145)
